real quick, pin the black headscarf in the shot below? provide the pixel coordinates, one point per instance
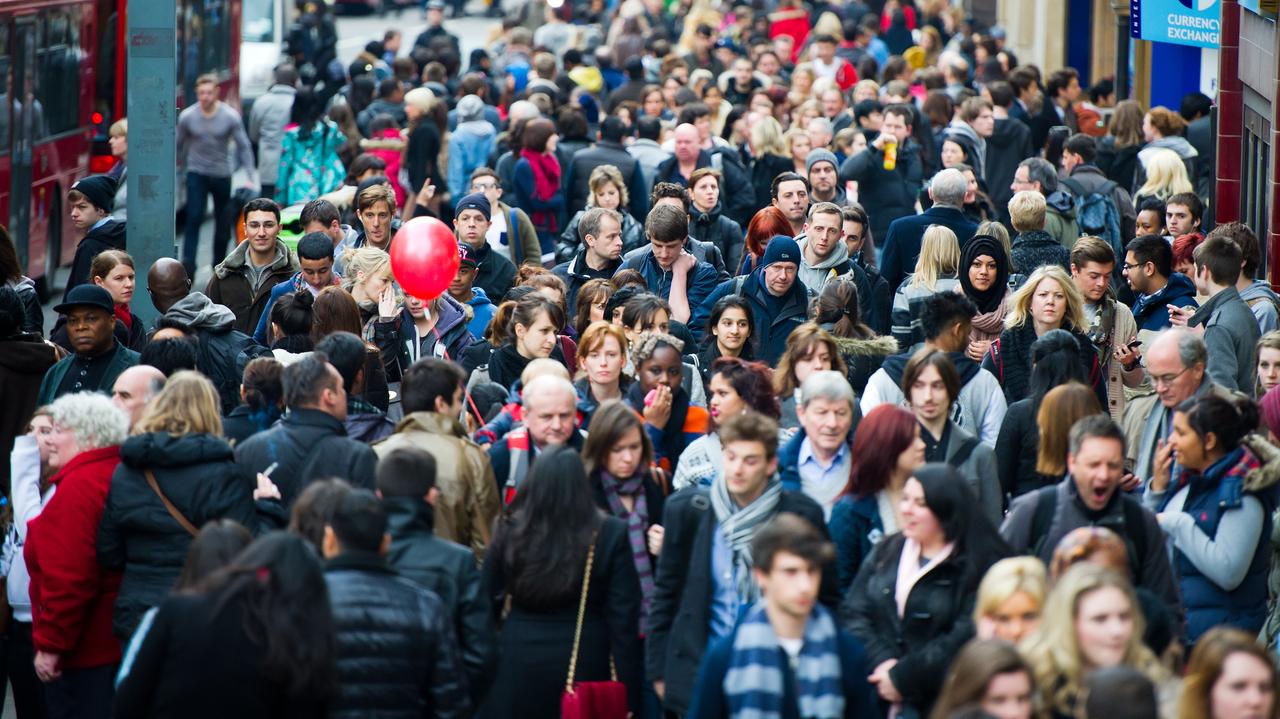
(989, 299)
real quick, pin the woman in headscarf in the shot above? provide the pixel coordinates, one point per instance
(984, 275)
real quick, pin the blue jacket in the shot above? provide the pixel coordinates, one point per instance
(469, 147)
(700, 284)
(772, 326)
(856, 529)
(902, 244)
(482, 309)
(1151, 312)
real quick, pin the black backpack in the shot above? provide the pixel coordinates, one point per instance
(1135, 542)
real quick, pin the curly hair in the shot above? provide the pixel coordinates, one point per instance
(752, 381)
(92, 419)
(649, 342)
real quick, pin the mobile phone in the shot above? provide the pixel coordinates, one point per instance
(267, 472)
(1134, 344)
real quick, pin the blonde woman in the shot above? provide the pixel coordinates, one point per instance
(936, 271)
(608, 190)
(1010, 599)
(176, 450)
(802, 79)
(798, 148)
(369, 281)
(1091, 621)
(1166, 176)
(807, 110)
(1048, 301)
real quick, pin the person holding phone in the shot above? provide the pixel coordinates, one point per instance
(1111, 325)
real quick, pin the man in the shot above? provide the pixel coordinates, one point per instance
(511, 231)
(390, 101)
(432, 400)
(821, 132)
(1256, 293)
(1113, 218)
(742, 83)
(1062, 90)
(550, 417)
(827, 66)
(608, 150)
(91, 200)
(323, 216)
(630, 91)
(823, 174)
(869, 114)
(779, 300)
(1090, 496)
(494, 273)
(134, 388)
(1032, 246)
(931, 385)
(816, 459)
(787, 555)
(972, 126)
(702, 580)
(315, 263)
(476, 83)
(902, 242)
(1148, 267)
(395, 645)
(856, 229)
(1010, 142)
(824, 255)
(244, 280)
(267, 120)
(463, 290)
(348, 353)
(688, 155)
(955, 76)
(1038, 175)
(980, 405)
(673, 273)
(435, 29)
(669, 193)
(97, 358)
(1182, 215)
(1230, 329)
(646, 149)
(1111, 325)
(601, 253)
(309, 442)
(789, 193)
(1197, 108)
(205, 131)
(1026, 90)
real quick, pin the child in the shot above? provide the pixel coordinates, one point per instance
(91, 201)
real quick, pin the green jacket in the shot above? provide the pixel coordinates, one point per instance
(124, 359)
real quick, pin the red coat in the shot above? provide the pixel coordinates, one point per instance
(71, 597)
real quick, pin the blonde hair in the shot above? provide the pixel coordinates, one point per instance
(998, 231)
(1020, 309)
(767, 138)
(792, 135)
(607, 174)
(1026, 211)
(1053, 649)
(939, 257)
(188, 404)
(864, 84)
(119, 128)
(1059, 410)
(369, 260)
(543, 366)
(1166, 175)
(1006, 578)
(828, 24)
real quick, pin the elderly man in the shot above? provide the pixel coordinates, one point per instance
(779, 300)
(902, 244)
(550, 417)
(1038, 174)
(134, 388)
(98, 357)
(816, 460)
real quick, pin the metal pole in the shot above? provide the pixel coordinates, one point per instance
(152, 38)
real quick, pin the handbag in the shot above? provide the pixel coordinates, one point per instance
(591, 700)
(173, 511)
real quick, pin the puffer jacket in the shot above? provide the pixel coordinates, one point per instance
(1151, 312)
(400, 345)
(198, 474)
(397, 656)
(306, 445)
(389, 146)
(720, 230)
(570, 242)
(232, 284)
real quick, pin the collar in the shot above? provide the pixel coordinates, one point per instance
(315, 418)
(107, 353)
(100, 223)
(358, 405)
(360, 561)
(806, 455)
(88, 456)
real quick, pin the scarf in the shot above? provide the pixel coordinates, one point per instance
(739, 525)
(125, 316)
(989, 325)
(910, 571)
(990, 299)
(754, 686)
(546, 183)
(637, 525)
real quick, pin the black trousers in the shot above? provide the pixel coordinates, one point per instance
(19, 667)
(82, 693)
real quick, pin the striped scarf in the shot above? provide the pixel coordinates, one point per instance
(739, 525)
(754, 686)
(637, 526)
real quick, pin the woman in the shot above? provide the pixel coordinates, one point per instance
(671, 420)
(1215, 513)
(766, 224)
(13, 277)
(1268, 361)
(1091, 621)
(977, 204)
(911, 603)
(257, 641)
(589, 305)
(1048, 301)
(370, 282)
(713, 98)
(728, 333)
(707, 221)
(1166, 176)
(735, 387)
(424, 328)
(118, 141)
(1060, 409)
(991, 676)
(886, 449)
(113, 271)
(954, 151)
(262, 400)
(608, 190)
(1010, 598)
(1230, 675)
(292, 319)
(342, 116)
(798, 148)
(654, 104)
(602, 352)
(531, 331)
(1055, 361)
(802, 79)
(309, 162)
(537, 181)
(774, 153)
(386, 142)
(1164, 128)
(837, 311)
(426, 136)
(936, 270)
(1118, 149)
(177, 446)
(550, 547)
(649, 313)
(984, 276)
(809, 349)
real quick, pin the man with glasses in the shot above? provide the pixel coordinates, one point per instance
(1037, 173)
(520, 246)
(1148, 268)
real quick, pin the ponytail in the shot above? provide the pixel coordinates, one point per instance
(1228, 419)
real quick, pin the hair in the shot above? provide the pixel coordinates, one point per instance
(320, 211)
(609, 175)
(667, 224)
(217, 544)
(801, 343)
(948, 497)
(786, 177)
(882, 436)
(702, 172)
(1166, 122)
(363, 163)
(1166, 175)
(106, 261)
(838, 306)
(1223, 258)
(1153, 249)
(611, 420)
(347, 353)
(1027, 211)
(359, 522)
(1094, 426)
(589, 293)
(1092, 249)
(648, 344)
(262, 389)
(188, 404)
(1083, 145)
(939, 258)
(1053, 650)
(406, 471)
(1126, 124)
(594, 335)
(1020, 306)
(665, 190)
(1042, 171)
(1006, 578)
(788, 533)
(1228, 419)
(294, 315)
(972, 670)
(752, 381)
(948, 187)
(767, 223)
(640, 310)
(92, 419)
(375, 193)
(335, 310)
(314, 508)
(1208, 658)
(540, 278)
(171, 355)
(537, 132)
(315, 246)
(591, 219)
(525, 312)
(938, 107)
(1239, 233)
(751, 427)
(1184, 247)
(767, 138)
(306, 380)
(1060, 409)
(10, 267)
(1084, 544)
(943, 310)
(937, 359)
(1055, 360)
(428, 379)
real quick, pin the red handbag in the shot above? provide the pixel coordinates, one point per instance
(591, 700)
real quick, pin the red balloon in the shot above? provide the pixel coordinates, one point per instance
(424, 257)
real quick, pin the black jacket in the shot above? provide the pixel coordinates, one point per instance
(1016, 450)
(887, 194)
(308, 445)
(137, 534)
(740, 203)
(1008, 145)
(108, 236)
(719, 230)
(494, 273)
(763, 170)
(606, 153)
(576, 273)
(397, 656)
(449, 570)
(681, 611)
(901, 245)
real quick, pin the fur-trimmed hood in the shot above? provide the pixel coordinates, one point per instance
(874, 347)
(1268, 474)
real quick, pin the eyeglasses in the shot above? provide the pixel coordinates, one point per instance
(1126, 266)
(1168, 379)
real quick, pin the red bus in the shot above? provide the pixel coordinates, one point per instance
(63, 68)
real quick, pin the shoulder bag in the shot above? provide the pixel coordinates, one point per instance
(591, 700)
(173, 511)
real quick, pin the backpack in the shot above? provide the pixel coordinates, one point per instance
(1097, 214)
(1047, 505)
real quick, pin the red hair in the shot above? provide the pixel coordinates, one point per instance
(885, 433)
(763, 226)
(1185, 246)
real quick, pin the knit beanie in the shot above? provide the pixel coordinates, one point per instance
(820, 155)
(1270, 406)
(100, 190)
(781, 249)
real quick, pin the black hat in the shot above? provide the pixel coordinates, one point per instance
(100, 190)
(474, 201)
(467, 255)
(86, 296)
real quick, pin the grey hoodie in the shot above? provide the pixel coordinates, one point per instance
(815, 277)
(1263, 302)
(201, 313)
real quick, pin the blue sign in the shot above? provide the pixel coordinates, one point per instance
(1182, 22)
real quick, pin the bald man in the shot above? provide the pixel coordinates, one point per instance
(167, 282)
(688, 155)
(550, 417)
(135, 387)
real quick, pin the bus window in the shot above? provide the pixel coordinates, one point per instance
(58, 68)
(6, 85)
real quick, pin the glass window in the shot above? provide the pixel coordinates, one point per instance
(6, 87)
(259, 21)
(58, 71)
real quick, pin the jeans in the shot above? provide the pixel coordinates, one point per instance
(82, 693)
(199, 187)
(19, 658)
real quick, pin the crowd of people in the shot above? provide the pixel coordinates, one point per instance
(816, 361)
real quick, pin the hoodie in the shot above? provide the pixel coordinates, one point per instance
(1060, 218)
(482, 311)
(110, 235)
(969, 136)
(980, 407)
(1151, 312)
(223, 351)
(201, 313)
(815, 276)
(244, 290)
(469, 147)
(1263, 302)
